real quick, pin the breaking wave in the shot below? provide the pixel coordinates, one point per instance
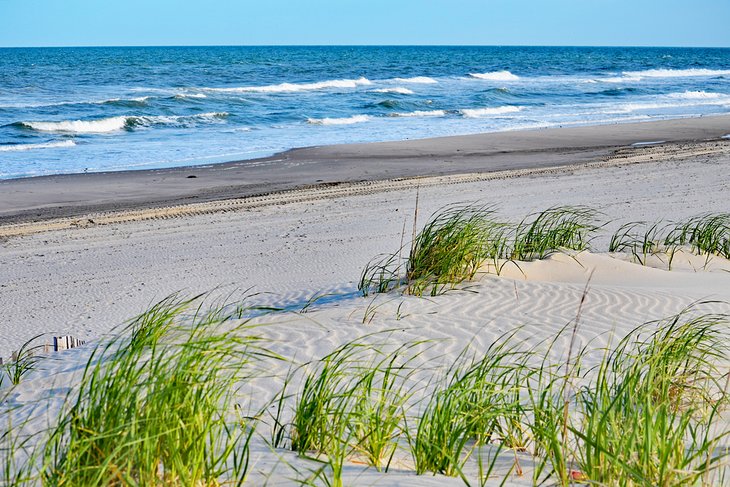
(421, 113)
(115, 124)
(295, 87)
(339, 121)
(45, 145)
(496, 76)
(676, 73)
(486, 112)
(399, 90)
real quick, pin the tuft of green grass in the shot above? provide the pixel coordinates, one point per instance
(707, 234)
(480, 403)
(154, 406)
(643, 241)
(350, 405)
(25, 361)
(451, 247)
(457, 241)
(649, 417)
(557, 228)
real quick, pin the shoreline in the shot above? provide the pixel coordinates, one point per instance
(44, 198)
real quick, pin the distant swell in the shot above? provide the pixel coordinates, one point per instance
(115, 124)
(495, 76)
(295, 87)
(339, 121)
(486, 112)
(424, 80)
(46, 145)
(138, 101)
(399, 90)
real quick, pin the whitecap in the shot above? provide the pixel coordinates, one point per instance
(421, 113)
(485, 112)
(295, 87)
(676, 73)
(45, 145)
(495, 76)
(339, 121)
(191, 95)
(424, 80)
(115, 124)
(695, 95)
(399, 90)
(99, 126)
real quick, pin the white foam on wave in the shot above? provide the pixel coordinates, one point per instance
(339, 121)
(676, 73)
(696, 95)
(677, 100)
(191, 95)
(495, 76)
(725, 136)
(115, 124)
(45, 145)
(636, 76)
(423, 80)
(486, 112)
(421, 113)
(100, 126)
(295, 87)
(399, 90)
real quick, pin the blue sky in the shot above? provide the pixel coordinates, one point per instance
(252, 22)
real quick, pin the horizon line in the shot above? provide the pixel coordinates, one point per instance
(362, 45)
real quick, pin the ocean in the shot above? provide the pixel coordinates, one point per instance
(70, 110)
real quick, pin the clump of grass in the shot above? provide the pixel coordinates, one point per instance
(154, 407)
(351, 406)
(707, 234)
(649, 416)
(560, 227)
(643, 241)
(25, 360)
(479, 403)
(459, 239)
(451, 247)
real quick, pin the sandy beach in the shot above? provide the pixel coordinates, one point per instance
(82, 254)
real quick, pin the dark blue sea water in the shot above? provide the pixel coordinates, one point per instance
(67, 110)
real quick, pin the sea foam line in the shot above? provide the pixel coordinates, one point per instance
(503, 75)
(420, 113)
(44, 145)
(339, 121)
(676, 73)
(295, 87)
(486, 112)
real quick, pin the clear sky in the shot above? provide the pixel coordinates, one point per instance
(285, 22)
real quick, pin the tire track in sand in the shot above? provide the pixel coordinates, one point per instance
(621, 157)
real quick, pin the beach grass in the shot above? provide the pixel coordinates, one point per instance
(156, 405)
(459, 239)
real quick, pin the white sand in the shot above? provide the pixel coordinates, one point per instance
(85, 281)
